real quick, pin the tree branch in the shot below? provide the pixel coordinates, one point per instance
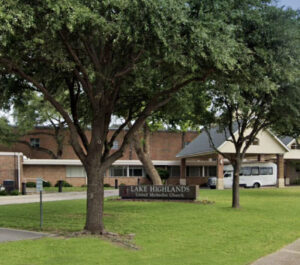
(40, 149)
(17, 70)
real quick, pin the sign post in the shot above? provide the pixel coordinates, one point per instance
(39, 188)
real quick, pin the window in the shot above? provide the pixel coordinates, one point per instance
(35, 142)
(212, 171)
(245, 171)
(186, 143)
(255, 141)
(254, 171)
(118, 171)
(174, 171)
(266, 171)
(193, 171)
(228, 174)
(115, 145)
(75, 172)
(295, 146)
(136, 172)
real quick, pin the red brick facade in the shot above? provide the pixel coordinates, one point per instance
(164, 145)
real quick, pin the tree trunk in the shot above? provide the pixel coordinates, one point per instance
(144, 156)
(95, 197)
(182, 140)
(236, 183)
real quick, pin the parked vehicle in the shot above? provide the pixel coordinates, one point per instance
(251, 175)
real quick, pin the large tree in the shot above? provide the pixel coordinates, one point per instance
(265, 94)
(110, 57)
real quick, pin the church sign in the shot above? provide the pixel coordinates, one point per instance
(164, 192)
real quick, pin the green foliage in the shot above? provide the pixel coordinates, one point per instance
(14, 193)
(47, 184)
(163, 173)
(30, 184)
(106, 185)
(3, 193)
(64, 184)
(264, 93)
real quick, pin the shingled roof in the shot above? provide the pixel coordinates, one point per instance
(286, 139)
(201, 144)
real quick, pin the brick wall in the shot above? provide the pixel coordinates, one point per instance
(125, 180)
(8, 167)
(48, 173)
(189, 181)
(164, 145)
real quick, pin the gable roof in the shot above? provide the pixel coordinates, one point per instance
(286, 140)
(201, 144)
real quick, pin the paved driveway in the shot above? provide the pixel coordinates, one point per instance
(14, 235)
(5, 200)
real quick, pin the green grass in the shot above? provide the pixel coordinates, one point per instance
(167, 233)
(70, 189)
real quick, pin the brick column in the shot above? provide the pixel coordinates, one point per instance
(220, 172)
(286, 174)
(261, 158)
(182, 180)
(280, 171)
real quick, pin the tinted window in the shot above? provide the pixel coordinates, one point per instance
(135, 172)
(254, 171)
(212, 171)
(245, 171)
(174, 171)
(228, 174)
(266, 171)
(118, 171)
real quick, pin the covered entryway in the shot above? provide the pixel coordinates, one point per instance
(267, 148)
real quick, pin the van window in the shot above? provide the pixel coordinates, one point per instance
(254, 171)
(245, 171)
(266, 171)
(228, 174)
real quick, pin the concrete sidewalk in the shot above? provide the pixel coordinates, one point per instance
(6, 200)
(7, 234)
(289, 255)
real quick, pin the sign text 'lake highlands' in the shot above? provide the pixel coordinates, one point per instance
(168, 192)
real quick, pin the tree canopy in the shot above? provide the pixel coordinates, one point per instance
(110, 57)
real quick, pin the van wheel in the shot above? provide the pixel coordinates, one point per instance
(256, 185)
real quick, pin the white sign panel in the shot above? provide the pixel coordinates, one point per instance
(39, 184)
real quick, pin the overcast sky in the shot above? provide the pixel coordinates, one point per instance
(295, 4)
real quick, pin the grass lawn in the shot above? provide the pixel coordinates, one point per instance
(69, 189)
(167, 233)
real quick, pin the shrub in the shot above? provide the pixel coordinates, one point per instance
(64, 184)
(3, 193)
(47, 184)
(163, 173)
(30, 184)
(106, 185)
(122, 184)
(14, 192)
(83, 185)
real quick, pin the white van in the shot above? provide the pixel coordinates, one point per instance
(251, 175)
